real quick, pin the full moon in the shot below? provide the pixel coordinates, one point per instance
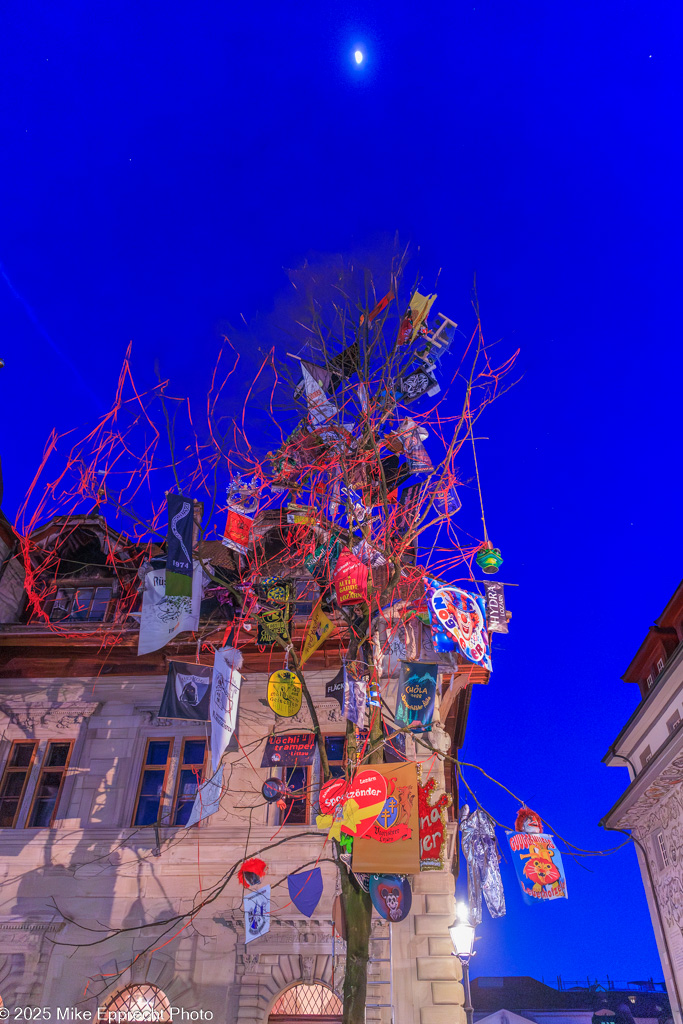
(359, 56)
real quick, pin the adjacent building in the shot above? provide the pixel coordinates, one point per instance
(650, 747)
(95, 789)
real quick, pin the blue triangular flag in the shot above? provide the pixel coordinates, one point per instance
(305, 890)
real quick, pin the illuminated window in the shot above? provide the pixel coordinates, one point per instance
(296, 805)
(308, 1001)
(191, 765)
(81, 604)
(152, 786)
(13, 786)
(139, 1002)
(50, 782)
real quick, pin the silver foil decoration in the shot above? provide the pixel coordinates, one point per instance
(478, 839)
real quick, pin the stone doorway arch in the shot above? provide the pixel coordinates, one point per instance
(307, 1003)
(264, 978)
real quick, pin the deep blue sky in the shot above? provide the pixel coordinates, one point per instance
(161, 163)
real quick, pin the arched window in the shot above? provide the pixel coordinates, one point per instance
(140, 999)
(307, 1003)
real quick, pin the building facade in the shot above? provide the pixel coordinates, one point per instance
(650, 747)
(104, 889)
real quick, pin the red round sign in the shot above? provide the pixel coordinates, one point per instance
(369, 791)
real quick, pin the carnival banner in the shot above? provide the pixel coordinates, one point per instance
(539, 867)
(458, 622)
(274, 622)
(238, 529)
(162, 617)
(391, 896)
(225, 694)
(432, 826)
(416, 453)
(415, 385)
(335, 687)
(319, 628)
(208, 799)
(179, 546)
(355, 697)
(305, 890)
(350, 579)
(256, 913)
(284, 693)
(392, 843)
(495, 607)
(293, 750)
(320, 408)
(416, 695)
(352, 807)
(187, 693)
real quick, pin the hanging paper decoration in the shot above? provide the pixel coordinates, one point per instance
(208, 799)
(458, 622)
(294, 749)
(432, 826)
(496, 616)
(345, 363)
(319, 628)
(528, 821)
(373, 700)
(489, 559)
(273, 789)
(359, 509)
(391, 896)
(434, 344)
(478, 839)
(284, 693)
(305, 890)
(225, 692)
(179, 546)
(368, 554)
(321, 562)
(419, 308)
(238, 529)
(320, 408)
(162, 617)
(380, 307)
(251, 872)
(350, 580)
(274, 623)
(447, 502)
(319, 374)
(416, 384)
(416, 453)
(187, 693)
(352, 807)
(408, 509)
(392, 843)
(256, 913)
(416, 695)
(335, 687)
(355, 695)
(539, 867)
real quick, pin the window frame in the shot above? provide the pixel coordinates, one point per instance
(179, 771)
(673, 721)
(308, 776)
(164, 786)
(44, 767)
(7, 770)
(645, 756)
(73, 589)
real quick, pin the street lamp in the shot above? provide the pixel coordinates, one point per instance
(462, 937)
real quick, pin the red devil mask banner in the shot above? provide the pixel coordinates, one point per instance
(539, 867)
(391, 896)
(350, 579)
(458, 621)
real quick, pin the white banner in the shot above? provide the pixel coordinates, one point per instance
(225, 694)
(164, 617)
(207, 800)
(256, 913)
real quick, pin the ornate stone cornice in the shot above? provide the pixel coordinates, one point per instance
(638, 814)
(65, 715)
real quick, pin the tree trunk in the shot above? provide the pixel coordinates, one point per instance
(358, 911)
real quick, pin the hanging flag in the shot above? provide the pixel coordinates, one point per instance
(391, 896)
(416, 695)
(320, 408)
(284, 693)
(238, 529)
(321, 562)
(416, 384)
(495, 607)
(319, 374)
(432, 826)
(350, 579)
(335, 687)
(225, 694)
(360, 511)
(305, 890)
(368, 554)
(416, 453)
(187, 693)
(539, 867)
(179, 546)
(393, 842)
(344, 364)
(380, 307)
(447, 501)
(256, 913)
(408, 508)
(289, 750)
(162, 617)
(208, 799)
(458, 621)
(274, 623)
(419, 308)
(355, 694)
(319, 628)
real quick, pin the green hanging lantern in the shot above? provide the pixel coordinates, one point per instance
(489, 559)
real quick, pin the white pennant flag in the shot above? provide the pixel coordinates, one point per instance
(256, 913)
(225, 695)
(207, 800)
(319, 405)
(164, 617)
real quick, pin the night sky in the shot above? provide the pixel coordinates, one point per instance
(161, 164)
